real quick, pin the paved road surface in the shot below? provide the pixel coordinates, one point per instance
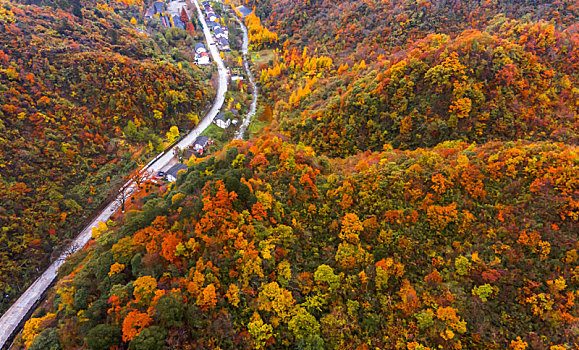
(13, 317)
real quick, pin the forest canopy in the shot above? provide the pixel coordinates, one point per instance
(411, 182)
(267, 245)
(83, 101)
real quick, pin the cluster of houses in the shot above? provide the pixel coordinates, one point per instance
(220, 33)
(201, 56)
(197, 149)
(157, 10)
(221, 38)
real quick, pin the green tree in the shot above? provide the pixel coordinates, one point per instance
(306, 329)
(103, 336)
(325, 273)
(46, 340)
(483, 292)
(81, 299)
(152, 338)
(169, 311)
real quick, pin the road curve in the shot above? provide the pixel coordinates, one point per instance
(12, 319)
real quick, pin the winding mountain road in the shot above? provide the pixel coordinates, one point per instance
(14, 317)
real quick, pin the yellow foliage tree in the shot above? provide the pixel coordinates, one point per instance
(116, 268)
(172, 134)
(259, 36)
(274, 298)
(351, 228)
(144, 288)
(260, 332)
(99, 230)
(33, 327)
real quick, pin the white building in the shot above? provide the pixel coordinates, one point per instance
(171, 174)
(221, 122)
(202, 59)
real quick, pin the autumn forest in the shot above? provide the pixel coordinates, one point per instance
(410, 179)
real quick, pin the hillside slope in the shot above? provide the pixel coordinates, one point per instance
(416, 188)
(82, 101)
(357, 74)
(268, 245)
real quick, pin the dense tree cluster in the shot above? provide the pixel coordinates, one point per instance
(82, 101)
(478, 87)
(418, 189)
(492, 76)
(267, 245)
(371, 27)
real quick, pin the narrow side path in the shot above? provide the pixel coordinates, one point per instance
(252, 108)
(19, 312)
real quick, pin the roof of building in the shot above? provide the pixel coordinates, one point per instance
(221, 116)
(187, 153)
(175, 169)
(158, 6)
(178, 22)
(201, 140)
(150, 12)
(244, 10)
